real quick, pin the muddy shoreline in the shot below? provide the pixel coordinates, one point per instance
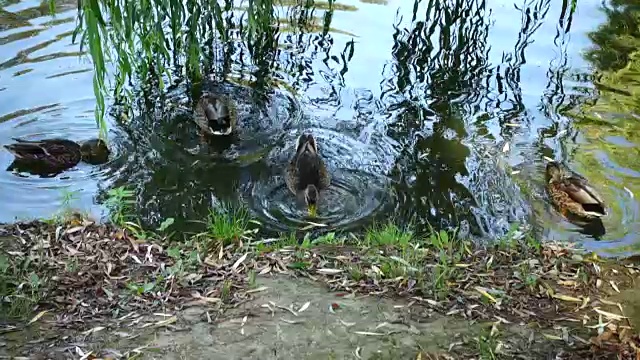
(77, 289)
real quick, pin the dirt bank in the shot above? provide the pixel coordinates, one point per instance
(83, 290)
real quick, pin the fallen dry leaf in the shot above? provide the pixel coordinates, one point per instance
(610, 315)
(38, 316)
(239, 261)
(566, 298)
(368, 333)
(258, 289)
(304, 307)
(329, 271)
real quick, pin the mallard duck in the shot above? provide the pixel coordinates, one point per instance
(572, 194)
(51, 156)
(306, 173)
(215, 114)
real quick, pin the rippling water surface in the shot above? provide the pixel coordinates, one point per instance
(438, 113)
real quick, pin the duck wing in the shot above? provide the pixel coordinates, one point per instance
(306, 168)
(325, 177)
(581, 192)
(292, 177)
(26, 151)
(51, 146)
(311, 170)
(53, 150)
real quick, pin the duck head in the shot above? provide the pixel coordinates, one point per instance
(554, 171)
(94, 151)
(311, 199)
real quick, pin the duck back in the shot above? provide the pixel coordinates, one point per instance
(43, 157)
(308, 171)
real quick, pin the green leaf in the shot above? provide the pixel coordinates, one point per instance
(34, 280)
(148, 287)
(133, 287)
(52, 7)
(444, 237)
(299, 265)
(174, 253)
(4, 263)
(165, 224)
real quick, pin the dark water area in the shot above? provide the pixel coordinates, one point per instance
(440, 113)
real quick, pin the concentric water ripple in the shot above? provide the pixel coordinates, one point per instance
(359, 192)
(353, 199)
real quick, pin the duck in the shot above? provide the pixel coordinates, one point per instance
(52, 156)
(306, 173)
(572, 194)
(215, 114)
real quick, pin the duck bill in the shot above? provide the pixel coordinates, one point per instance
(312, 210)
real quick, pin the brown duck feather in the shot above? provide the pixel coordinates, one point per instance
(215, 114)
(573, 194)
(56, 153)
(306, 167)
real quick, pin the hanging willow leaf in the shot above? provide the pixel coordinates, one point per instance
(152, 40)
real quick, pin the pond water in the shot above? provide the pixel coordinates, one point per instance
(437, 113)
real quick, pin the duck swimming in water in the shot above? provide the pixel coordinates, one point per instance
(307, 173)
(572, 194)
(215, 114)
(52, 156)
